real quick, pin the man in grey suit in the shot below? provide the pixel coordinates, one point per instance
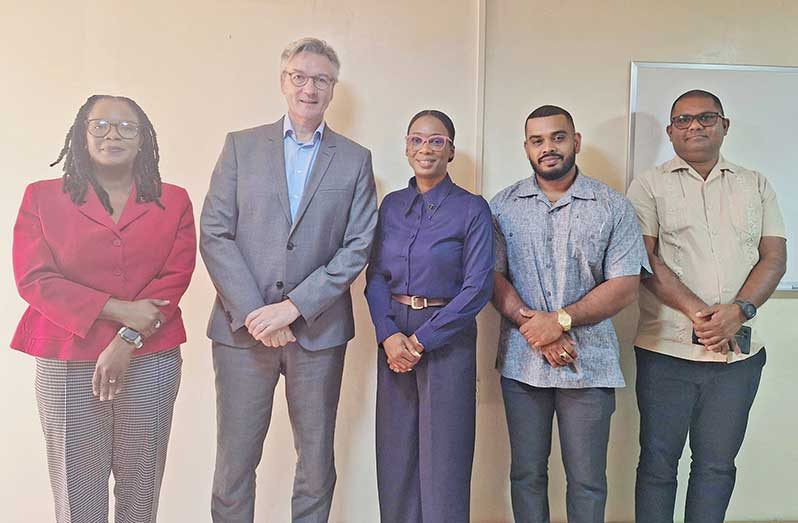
(287, 225)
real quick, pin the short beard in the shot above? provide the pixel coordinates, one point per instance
(567, 164)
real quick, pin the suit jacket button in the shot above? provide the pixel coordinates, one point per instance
(279, 285)
(290, 246)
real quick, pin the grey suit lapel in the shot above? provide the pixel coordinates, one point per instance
(273, 163)
(325, 156)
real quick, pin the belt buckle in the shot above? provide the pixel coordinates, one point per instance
(418, 307)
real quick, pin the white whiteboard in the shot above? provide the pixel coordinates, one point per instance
(760, 101)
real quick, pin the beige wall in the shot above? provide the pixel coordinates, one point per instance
(202, 68)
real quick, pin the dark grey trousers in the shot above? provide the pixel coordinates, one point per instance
(711, 402)
(245, 382)
(583, 419)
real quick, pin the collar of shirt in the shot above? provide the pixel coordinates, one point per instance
(582, 188)
(678, 164)
(288, 131)
(432, 198)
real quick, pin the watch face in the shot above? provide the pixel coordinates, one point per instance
(129, 335)
(749, 310)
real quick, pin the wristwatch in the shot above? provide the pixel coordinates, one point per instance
(131, 337)
(748, 308)
(564, 319)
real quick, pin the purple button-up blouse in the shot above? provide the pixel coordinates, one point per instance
(437, 245)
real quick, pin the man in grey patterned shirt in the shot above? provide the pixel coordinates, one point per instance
(569, 255)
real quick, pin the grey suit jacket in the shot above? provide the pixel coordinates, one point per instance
(255, 254)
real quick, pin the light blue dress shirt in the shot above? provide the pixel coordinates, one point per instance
(299, 160)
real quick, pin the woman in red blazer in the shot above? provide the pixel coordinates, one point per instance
(102, 256)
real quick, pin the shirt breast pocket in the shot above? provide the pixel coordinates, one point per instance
(590, 235)
(672, 216)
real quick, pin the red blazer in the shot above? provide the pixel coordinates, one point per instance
(70, 259)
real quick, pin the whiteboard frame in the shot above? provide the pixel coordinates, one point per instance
(636, 66)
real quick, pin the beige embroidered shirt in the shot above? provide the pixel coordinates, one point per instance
(708, 234)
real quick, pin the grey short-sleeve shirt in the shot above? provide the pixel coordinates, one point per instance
(554, 254)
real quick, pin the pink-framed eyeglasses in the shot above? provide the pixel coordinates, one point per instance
(437, 142)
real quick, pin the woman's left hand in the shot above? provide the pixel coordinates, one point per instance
(109, 373)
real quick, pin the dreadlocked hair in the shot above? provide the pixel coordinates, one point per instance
(79, 169)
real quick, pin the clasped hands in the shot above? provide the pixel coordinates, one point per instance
(716, 326)
(543, 332)
(143, 316)
(270, 324)
(403, 352)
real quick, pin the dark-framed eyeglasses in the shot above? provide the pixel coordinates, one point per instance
(99, 128)
(436, 142)
(683, 121)
(320, 82)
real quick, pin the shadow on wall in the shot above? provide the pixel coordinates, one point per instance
(490, 483)
(597, 165)
(594, 160)
(649, 134)
(342, 110)
(462, 171)
(612, 171)
(354, 434)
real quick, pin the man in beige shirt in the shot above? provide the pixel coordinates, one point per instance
(716, 242)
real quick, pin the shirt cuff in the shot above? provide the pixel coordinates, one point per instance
(426, 337)
(386, 329)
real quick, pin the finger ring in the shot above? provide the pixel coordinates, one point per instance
(563, 355)
(157, 324)
(111, 380)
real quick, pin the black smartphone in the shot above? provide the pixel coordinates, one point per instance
(742, 337)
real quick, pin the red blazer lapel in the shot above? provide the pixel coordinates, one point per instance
(94, 210)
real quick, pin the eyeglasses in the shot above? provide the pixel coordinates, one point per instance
(436, 142)
(683, 121)
(321, 82)
(100, 128)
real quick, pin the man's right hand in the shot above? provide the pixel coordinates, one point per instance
(540, 328)
(716, 326)
(402, 356)
(719, 344)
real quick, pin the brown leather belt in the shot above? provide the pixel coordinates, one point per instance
(419, 302)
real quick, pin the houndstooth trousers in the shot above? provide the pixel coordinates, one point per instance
(87, 439)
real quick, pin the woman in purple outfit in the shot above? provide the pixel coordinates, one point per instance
(431, 272)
